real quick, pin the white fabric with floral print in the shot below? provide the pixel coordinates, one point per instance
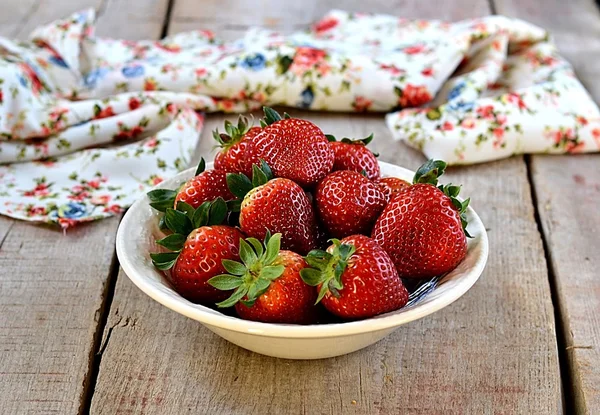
(88, 124)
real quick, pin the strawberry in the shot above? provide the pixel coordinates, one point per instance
(355, 278)
(354, 155)
(423, 227)
(206, 185)
(348, 203)
(267, 284)
(199, 243)
(392, 185)
(233, 157)
(277, 205)
(295, 149)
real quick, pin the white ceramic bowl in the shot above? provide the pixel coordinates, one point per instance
(136, 238)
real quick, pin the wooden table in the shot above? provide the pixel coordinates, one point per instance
(77, 336)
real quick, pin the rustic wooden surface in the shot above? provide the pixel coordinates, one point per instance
(568, 202)
(52, 291)
(494, 351)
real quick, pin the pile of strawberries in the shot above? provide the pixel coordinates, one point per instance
(291, 226)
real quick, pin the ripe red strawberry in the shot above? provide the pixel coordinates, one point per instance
(234, 156)
(200, 244)
(392, 185)
(423, 227)
(276, 205)
(348, 203)
(355, 278)
(267, 284)
(295, 149)
(205, 186)
(354, 155)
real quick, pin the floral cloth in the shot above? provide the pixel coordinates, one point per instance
(88, 124)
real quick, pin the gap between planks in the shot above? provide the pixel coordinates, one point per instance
(568, 386)
(101, 341)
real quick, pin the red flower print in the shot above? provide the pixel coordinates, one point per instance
(447, 126)
(427, 71)
(80, 196)
(207, 34)
(413, 96)
(392, 69)
(94, 184)
(361, 104)
(168, 48)
(29, 73)
(225, 104)
(582, 120)
(516, 99)
(500, 119)
(200, 72)
(40, 190)
(156, 180)
(486, 112)
(499, 137)
(468, 123)
(414, 49)
(497, 45)
(36, 211)
(153, 142)
(113, 209)
(325, 24)
(100, 200)
(596, 135)
(134, 103)
(103, 113)
(306, 58)
(150, 84)
(1, 96)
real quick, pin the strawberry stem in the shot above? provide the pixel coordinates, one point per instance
(252, 277)
(430, 171)
(326, 268)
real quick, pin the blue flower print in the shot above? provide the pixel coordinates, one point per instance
(94, 76)
(133, 71)
(58, 61)
(72, 210)
(456, 91)
(254, 62)
(307, 97)
(460, 105)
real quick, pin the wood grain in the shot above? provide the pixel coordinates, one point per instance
(494, 351)
(53, 286)
(568, 196)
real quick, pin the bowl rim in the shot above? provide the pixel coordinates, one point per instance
(216, 319)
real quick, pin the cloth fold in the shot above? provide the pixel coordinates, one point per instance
(87, 124)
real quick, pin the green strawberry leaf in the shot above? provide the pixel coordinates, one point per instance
(237, 295)
(225, 282)
(271, 115)
(273, 247)
(218, 211)
(258, 246)
(201, 167)
(311, 276)
(272, 272)
(430, 171)
(258, 176)
(330, 138)
(164, 260)
(186, 208)
(161, 199)
(239, 184)
(178, 221)
(247, 254)
(234, 205)
(173, 242)
(234, 267)
(200, 217)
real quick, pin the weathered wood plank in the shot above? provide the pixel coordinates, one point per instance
(492, 352)
(53, 286)
(568, 196)
(231, 18)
